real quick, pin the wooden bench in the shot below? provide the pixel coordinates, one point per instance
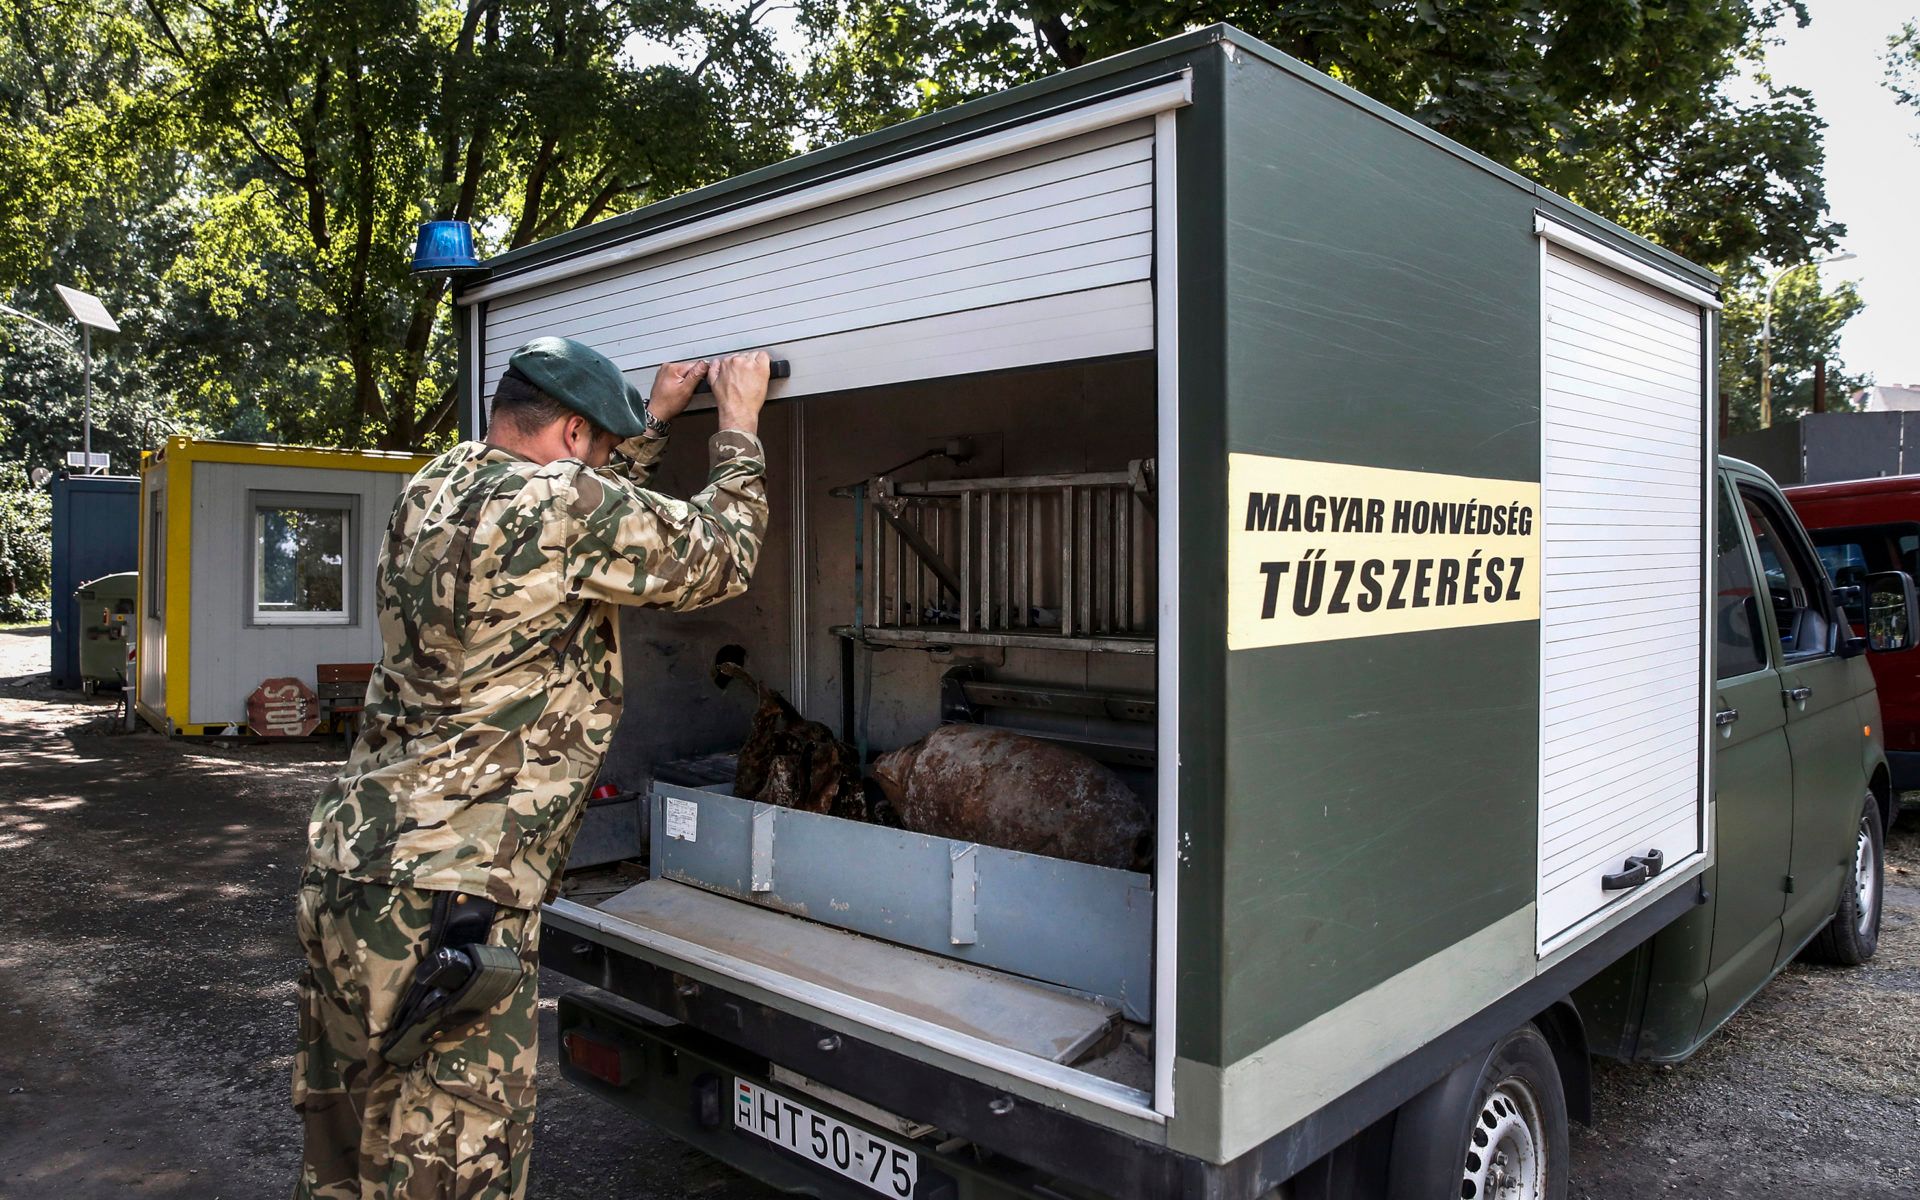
(343, 694)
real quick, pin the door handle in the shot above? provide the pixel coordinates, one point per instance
(1726, 716)
(1800, 694)
(1639, 868)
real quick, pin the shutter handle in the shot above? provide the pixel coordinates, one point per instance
(778, 368)
(1639, 869)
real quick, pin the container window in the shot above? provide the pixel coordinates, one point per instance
(301, 560)
(156, 559)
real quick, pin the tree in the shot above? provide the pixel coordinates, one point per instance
(1903, 64)
(1620, 105)
(335, 126)
(1616, 103)
(1807, 319)
(91, 186)
(26, 547)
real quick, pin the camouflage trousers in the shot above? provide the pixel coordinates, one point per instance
(458, 1124)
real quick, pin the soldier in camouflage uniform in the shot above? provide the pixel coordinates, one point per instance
(486, 719)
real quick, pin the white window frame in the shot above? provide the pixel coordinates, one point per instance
(156, 565)
(347, 506)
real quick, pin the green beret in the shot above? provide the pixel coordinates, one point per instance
(584, 380)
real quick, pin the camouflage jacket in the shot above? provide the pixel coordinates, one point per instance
(499, 685)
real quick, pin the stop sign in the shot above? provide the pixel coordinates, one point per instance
(284, 707)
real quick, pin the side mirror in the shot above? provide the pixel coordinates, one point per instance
(1890, 611)
(1852, 599)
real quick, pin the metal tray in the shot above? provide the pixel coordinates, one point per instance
(1085, 928)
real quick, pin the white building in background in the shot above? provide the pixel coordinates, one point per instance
(1888, 397)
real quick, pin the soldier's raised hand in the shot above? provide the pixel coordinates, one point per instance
(740, 389)
(673, 386)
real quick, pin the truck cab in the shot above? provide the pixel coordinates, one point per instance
(1802, 792)
(1863, 527)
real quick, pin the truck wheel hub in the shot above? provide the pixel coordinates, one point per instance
(1505, 1158)
(1866, 883)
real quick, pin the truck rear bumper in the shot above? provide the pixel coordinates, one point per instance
(680, 1080)
(1046, 1141)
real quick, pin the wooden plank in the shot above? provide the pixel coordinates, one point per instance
(1001, 1009)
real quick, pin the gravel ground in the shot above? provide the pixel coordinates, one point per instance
(146, 1005)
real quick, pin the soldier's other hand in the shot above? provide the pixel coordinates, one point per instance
(673, 386)
(740, 389)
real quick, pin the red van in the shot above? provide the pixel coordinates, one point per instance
(1862, 527)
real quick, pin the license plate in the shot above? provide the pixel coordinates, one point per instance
(842, 1148)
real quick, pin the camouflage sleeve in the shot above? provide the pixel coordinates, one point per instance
(635, 458)
(633, 546)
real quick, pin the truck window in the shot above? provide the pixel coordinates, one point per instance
(1740, 648)
(1846, 562)
(1796, 585)
(1851, 554)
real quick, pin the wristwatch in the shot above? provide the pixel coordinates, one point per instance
(654, 426)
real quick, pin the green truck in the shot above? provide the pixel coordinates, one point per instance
(1342, 496)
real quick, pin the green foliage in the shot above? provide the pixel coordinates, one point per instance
(1903, 64)
(92, 180)
(241, 179)
(26, 547)
(241, 182)
(338, 125)
(1807, 319)
(1620, 105)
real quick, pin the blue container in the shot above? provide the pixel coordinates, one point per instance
(444, 246)
(96, 531)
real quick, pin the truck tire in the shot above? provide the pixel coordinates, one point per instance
(1493, 1129)
(1854, 933)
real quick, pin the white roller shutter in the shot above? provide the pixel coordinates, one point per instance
(1041, 255)
(1623, 535)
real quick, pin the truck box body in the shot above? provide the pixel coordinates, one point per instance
(1392, 607)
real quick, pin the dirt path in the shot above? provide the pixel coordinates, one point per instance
(1812, 1089)
(146, 1019)
(147, 965)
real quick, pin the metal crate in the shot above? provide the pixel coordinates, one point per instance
(1049, 561)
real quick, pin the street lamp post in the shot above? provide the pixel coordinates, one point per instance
(91, 314)
(1766, 332)
(87, 309)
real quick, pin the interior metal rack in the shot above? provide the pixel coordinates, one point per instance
(1059, 562)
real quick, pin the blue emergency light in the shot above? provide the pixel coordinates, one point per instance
(444, 248)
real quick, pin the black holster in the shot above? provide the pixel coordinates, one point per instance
(459, 977)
